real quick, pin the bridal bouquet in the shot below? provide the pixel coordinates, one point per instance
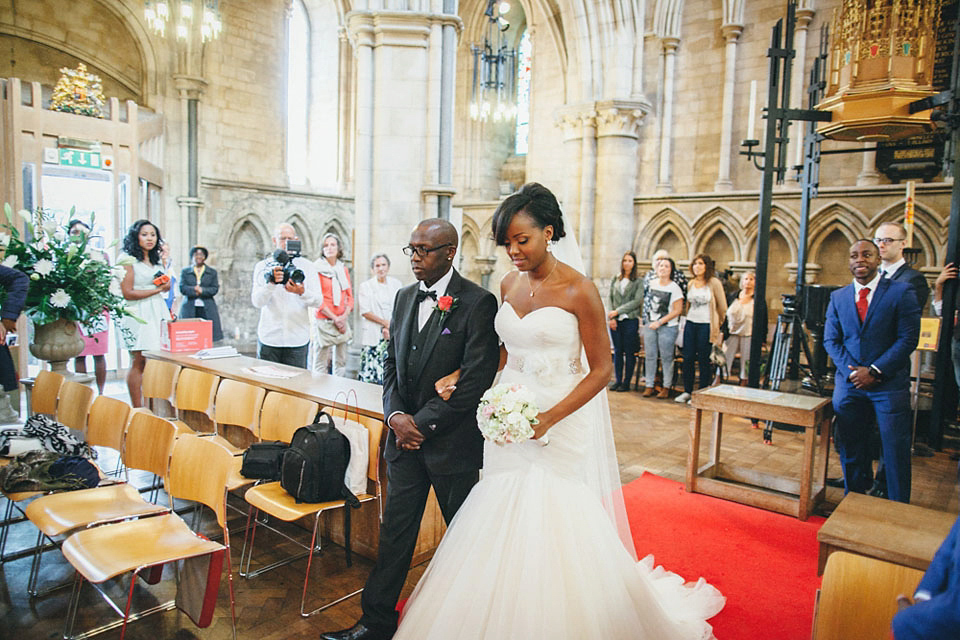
(507, 413)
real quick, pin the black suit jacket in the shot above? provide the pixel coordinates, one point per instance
(465, 339)
(916, 280)
(209, 286)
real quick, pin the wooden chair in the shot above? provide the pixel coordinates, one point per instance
(160, 385)
(196, 391)
(146, 447)
(237, 405)
(274, 500)
(858, 597)
(73, 405)
(43, 397)
(197, 472)
(67, 402)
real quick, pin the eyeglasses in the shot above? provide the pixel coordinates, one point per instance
(409, 250)
(887, 240)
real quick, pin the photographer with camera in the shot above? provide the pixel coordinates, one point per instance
(285, 285)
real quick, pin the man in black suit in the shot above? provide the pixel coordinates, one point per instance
(891, 238)
(441, 324)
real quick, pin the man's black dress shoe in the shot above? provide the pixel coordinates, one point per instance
(356, 632)
(878, 490)
(835, 482)
(614, 387)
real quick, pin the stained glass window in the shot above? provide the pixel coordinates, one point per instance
(523, 94)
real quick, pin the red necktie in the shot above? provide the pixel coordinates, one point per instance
(862, 304)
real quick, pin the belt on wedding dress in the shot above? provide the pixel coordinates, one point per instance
(531, 365)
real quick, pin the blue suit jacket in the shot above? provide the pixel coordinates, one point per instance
(938, 617)
(886, 339)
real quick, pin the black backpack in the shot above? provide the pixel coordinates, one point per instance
(315, 464)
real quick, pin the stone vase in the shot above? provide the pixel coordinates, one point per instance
(57, 342)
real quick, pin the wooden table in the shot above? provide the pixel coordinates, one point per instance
(900, 533)
(328, 391)
(748, 486)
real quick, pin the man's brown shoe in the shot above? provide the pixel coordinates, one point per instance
(664, 393)
(649, 391)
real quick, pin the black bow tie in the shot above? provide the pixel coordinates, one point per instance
(423, 295)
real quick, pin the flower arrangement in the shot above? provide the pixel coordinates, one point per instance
(68, 279)
(507, 413)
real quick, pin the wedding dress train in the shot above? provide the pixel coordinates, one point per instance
(540, 549)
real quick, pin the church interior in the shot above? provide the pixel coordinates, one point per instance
(218, 120)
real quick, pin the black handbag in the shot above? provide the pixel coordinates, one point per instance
(262, 460)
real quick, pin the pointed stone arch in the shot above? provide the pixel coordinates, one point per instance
(651, 236)
(719, 220)
(836, 216)
(249, 237)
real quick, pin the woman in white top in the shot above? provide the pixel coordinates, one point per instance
(706, 308)
(740, 322)
(375, 298)
(145, 290)
(663, 304)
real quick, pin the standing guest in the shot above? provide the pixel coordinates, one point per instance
(431, 442)
(934, 611)
(375, 297)
(97, 344)
(626, 299)
(871, 328)
(663, 301)
(740, 323)
(145, 292)
(283, 333)
(199, 284)
(706, 308)
(948, 272)
(331, 333)
(15, 283)
(678, 276)
(891, 239)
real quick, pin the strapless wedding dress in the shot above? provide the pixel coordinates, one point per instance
(533, 552)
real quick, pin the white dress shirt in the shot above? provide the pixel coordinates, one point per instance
(872, 286)
(428, 304)
(888, 270)
(285, 316)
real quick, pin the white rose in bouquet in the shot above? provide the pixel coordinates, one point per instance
(507, 413)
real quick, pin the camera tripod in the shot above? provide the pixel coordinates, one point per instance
(789, 324)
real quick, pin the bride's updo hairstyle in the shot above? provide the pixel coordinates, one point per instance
(536, 201)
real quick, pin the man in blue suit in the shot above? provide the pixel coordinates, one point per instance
(934, 612)
(872, 327)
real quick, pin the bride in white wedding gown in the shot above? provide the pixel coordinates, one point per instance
(541, 548)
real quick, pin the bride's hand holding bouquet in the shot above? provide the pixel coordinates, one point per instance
(508, 414)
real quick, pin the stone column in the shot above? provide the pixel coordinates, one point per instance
(731, 33)
(397, 110)
(190, 89)
(664, 176)
(798, 80)
(869, 175)
(618, 125)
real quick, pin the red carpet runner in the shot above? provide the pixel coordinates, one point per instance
(763, 562)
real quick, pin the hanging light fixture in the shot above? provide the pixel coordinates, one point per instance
(494, 92)
(181, 13)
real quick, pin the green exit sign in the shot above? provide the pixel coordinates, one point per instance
(78, 158)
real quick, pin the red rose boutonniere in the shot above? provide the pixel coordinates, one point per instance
(446, 304)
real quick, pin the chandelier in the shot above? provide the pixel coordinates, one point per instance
(494, 92)
(182, 13)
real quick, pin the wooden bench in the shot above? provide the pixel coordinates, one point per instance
(900, 533)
